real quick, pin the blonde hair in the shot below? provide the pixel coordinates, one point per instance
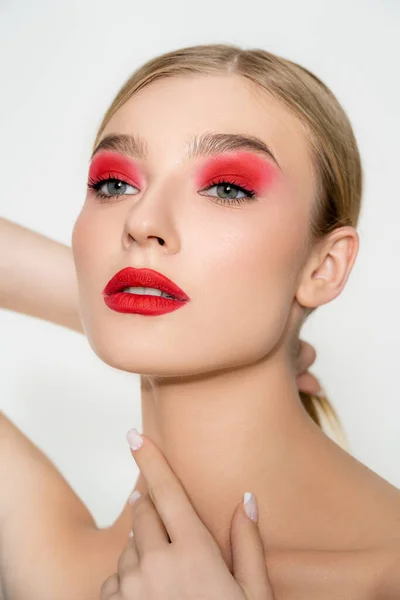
(332, 141)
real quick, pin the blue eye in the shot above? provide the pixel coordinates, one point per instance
(96, 185)
(223, 186)
(229, 187)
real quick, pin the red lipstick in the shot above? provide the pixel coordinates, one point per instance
(126, 302)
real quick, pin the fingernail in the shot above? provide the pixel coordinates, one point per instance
(134, 438)
(250, 506)
(321, 393)
(134, 496)
(131, 534)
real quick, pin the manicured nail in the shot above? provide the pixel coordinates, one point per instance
(250, 506)
(134, 496)
(321, 393)
(134, 438)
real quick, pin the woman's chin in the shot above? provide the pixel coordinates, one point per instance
(157, 362)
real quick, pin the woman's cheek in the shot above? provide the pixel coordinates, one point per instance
(87, 247)
(77, 239)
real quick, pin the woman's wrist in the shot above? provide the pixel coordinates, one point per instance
(37, 276)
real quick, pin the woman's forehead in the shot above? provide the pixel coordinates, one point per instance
(170, 115)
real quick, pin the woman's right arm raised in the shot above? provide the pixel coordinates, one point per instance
(37, 276)
(50, 547)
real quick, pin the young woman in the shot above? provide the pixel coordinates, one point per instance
(230, 180)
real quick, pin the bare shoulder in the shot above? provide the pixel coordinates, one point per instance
(57, 562)
(384, 506)
(30, 479)
(49, 542)
(374, 504)
(364, 561)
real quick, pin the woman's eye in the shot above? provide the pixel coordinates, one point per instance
(225, 191)
(228, 191)
(113, 187)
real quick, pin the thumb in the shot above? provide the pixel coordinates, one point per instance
(248, 557)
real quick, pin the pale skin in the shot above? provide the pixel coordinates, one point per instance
(240, 415)
(46, 268)
(249, 412)
(39, 279)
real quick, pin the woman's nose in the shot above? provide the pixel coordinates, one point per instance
(160, 240)
(150, 222)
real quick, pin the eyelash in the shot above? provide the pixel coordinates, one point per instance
(96, 184)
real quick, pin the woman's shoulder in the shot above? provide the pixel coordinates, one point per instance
(364, 508)
(30, 478)
(47, 534)
(379, 507)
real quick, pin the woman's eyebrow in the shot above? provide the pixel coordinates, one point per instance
(207, 144)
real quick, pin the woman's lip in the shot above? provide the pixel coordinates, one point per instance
(140, 304)
(131, 277)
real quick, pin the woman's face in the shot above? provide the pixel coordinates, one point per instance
(237, 258)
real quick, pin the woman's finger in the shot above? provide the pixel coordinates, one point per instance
(166, 491)
(308, 383)
(148, 528)
(109, 587)
(248, 555)
(306, 357)
(128, 560)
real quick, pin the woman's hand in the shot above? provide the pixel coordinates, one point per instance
(172, 555)
(306, 381)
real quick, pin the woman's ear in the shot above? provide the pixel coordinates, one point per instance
(328, 268)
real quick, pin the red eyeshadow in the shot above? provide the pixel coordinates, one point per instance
(251, 169)
(120, 165)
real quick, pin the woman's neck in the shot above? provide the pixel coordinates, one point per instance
(235, 431)
(246, 430)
